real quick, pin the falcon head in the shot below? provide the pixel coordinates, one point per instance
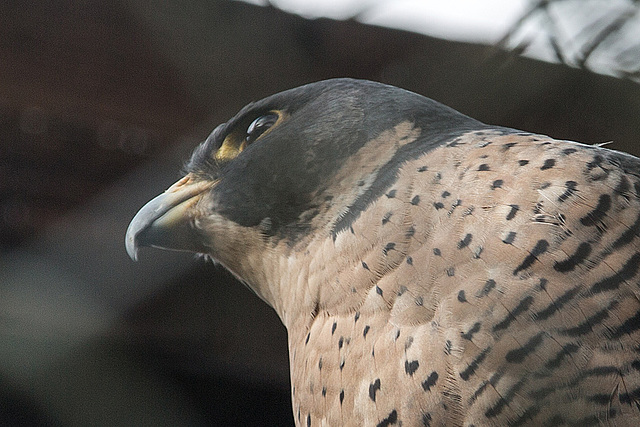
(297, 166)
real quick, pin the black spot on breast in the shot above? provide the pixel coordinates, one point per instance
(475, 363)
(423, 169)
(522, 306)
(365, 331)
(628, 271)
(557, 304)
(543, 283)
(431, 380)
(509, 145)
(628, 235)
(445, 194)
(510, 238)
(320, 364)
(461, 296)
(484, 168)
(386, 218)
(373, 388)
(324, 391)
(591, 321)
(548, 164)
(537, 209)
(623, 188)
(523, 162)
(569, 264)
(492, 381)
(391, 419)
(416, 200)
(408, 343)
(599, 212)
(505, 399)
(306, 341)
(570, 190)
(568, 151)
(409, 260)
(447, 347)
(478, 252)
(519, 354)
(599, 399)
(356, 317)
(629, 326)
(388, 247)
(526, 417)
(333, 327)
(411, 367)
(465, 241)
(602, 171)
(378, 290)
(340, 342)
(488, 285)
(556, 361)
(633, 395)
(436, 252)
(438, 205)
(469, 334)
(410, 231)
(596, 162)
(391, 194)
(497, 184)
(598, 371)
(341, 396)
(540, 248)
(451, 271)
(426, 420)
(308, 420)
(365, 266)
(512, 213)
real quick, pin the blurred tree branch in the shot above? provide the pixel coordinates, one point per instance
(598, 35)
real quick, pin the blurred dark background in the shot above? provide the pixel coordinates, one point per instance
(101, 102)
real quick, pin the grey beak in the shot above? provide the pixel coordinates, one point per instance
(167, 220)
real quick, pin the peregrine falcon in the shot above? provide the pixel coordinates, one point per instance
(430, 269)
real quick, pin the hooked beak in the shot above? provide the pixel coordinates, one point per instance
(167, 220)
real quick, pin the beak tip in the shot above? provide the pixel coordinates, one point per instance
(164, 221)
(132, 247)
(131, 241)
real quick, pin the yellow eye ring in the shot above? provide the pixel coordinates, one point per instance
(238, 139)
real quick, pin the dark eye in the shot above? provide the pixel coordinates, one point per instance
(260, 126)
